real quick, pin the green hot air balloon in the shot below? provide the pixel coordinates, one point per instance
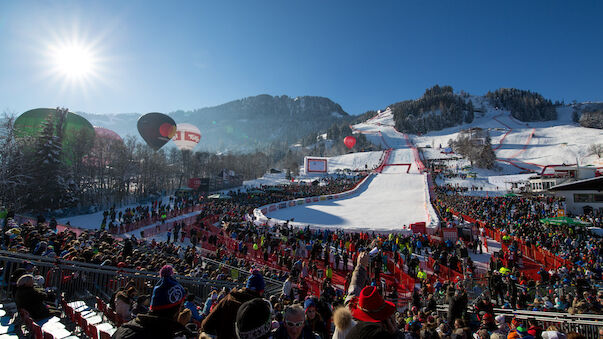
(78, 133)
(156, 129)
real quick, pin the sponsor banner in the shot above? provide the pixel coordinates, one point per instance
(336, 196)
(314, 165)
(300, 202)
(264, 210)
(282, 205)
(291, 203)
(194, 183)
(323, 198)
(315, 199)
(330, 197)
(418, 227)
(308, 200)
(272, 208)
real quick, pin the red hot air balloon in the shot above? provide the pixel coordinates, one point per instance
(156, 129)
(349, 141)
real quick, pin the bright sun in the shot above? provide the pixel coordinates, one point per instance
(73, 61)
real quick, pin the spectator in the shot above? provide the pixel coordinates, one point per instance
(32, 299)
(342, 318)
(190, 304)
(313, 320)
(122, 306)
(161, 321)
(294, 325)
(254, 320)
(142, 305)
(221, 320)
(371, 307)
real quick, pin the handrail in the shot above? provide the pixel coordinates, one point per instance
(216, 262)
(542, 314)
(126, 272)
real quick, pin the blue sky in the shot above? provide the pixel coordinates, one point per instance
(164, 56)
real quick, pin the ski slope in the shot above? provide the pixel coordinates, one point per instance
(389, 200)
(386, 202)
(530, 145)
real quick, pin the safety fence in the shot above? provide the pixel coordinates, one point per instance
(75, 279)
(539, 255)
(151, 220)
(260, 212)
(446, 272)
(585, 324)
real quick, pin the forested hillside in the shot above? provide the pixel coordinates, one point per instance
(438, 108)
(524, 105)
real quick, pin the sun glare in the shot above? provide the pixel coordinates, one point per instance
(74, 61)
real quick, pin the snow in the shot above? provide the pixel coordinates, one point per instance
(551, 143)
(93, 220)
(354, 161)
(387, 201)
(379, 205)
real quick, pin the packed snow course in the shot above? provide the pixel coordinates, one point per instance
(390, 199)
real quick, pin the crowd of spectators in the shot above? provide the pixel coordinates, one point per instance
(301, 253)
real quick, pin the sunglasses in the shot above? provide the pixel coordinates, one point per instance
(292, 324)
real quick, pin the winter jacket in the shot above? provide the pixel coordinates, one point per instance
(281, 333)
(32, 300)
(221, 320)
(358, 282)
(147, 326)
(194, 311)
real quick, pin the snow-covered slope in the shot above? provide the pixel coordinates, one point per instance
(387, 201)
(530, 145)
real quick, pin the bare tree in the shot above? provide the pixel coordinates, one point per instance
(596, 149)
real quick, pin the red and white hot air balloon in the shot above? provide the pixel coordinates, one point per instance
(187, 136)
(349, 141)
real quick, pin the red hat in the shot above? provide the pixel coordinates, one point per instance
(488, 317)
(371, 306)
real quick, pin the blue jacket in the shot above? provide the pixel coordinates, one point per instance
(194, 311)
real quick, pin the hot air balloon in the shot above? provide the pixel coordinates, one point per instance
(156, 129)
(349, 141)
(107, 134)
(187, 136)
(104, 144)
(78, 133)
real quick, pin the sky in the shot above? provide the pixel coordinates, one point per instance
(133, 56)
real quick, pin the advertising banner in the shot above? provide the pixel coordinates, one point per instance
(282, 205)
(316, 165)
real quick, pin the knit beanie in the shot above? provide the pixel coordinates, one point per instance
(255, 281)
(168, 292)
(309, 303)
(254, 319)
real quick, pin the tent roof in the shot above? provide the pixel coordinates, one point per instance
(563, 221)
(595, 183)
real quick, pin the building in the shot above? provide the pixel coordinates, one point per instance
(553, 175)
(477, 136)
(569, 171)
(541, 183)
(581, 196)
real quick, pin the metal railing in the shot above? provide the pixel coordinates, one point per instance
(585, 324)
(76, 279)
